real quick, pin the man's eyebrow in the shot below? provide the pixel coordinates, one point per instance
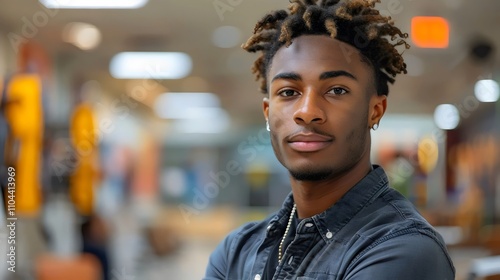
(287, 76)
(337, 73)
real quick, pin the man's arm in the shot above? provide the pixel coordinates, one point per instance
(217, 264)
(409, 257)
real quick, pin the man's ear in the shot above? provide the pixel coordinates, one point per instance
(378, 105)
(265, 107)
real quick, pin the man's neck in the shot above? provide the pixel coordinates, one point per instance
(315, 197)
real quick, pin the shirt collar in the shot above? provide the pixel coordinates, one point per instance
(278, 223)
(339, 214)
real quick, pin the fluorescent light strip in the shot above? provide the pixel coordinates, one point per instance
(150, 65)
(193, 112)
(187, 105)
(93, 4)
(218, 124)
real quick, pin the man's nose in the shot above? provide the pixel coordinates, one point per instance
(309, 108)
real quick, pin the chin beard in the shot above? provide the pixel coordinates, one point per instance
(312, 175)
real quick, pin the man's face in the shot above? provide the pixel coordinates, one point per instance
(322, 103)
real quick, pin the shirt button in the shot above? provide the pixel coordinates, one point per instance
(329, 235)
(309, 225)
(257, 277)
(271, 228)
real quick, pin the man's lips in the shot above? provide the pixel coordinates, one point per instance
(310, 142)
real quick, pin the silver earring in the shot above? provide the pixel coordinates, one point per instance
(267, 125)
(375, 126)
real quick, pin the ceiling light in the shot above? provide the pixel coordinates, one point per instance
(83, 35)
(218, 122)
(487, 91)
(226, 37)
(150, 65)
(93, 4)
(446, 116)
(186, 105)
(430, 32)
(192, 112)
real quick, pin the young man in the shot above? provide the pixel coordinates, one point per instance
(325, 67)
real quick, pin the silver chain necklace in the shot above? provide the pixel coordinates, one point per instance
(280, 249)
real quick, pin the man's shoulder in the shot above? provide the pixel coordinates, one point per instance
(392, 215)
(392, 226)
(391, 202)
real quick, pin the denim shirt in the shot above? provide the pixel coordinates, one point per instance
(372, 232)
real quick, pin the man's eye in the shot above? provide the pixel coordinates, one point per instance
(287, 92)
(338, 91)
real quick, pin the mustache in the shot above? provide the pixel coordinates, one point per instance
(310, 130)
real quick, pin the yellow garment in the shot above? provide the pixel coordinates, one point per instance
(23, 112)
(84, 142)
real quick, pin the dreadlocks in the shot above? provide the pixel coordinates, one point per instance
(355, 22)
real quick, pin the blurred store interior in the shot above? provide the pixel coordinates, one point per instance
(137, 137)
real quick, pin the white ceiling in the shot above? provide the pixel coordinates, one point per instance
(186, 25)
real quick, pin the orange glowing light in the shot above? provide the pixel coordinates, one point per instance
(430, 32)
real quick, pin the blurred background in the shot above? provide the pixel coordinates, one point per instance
(134, 136)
